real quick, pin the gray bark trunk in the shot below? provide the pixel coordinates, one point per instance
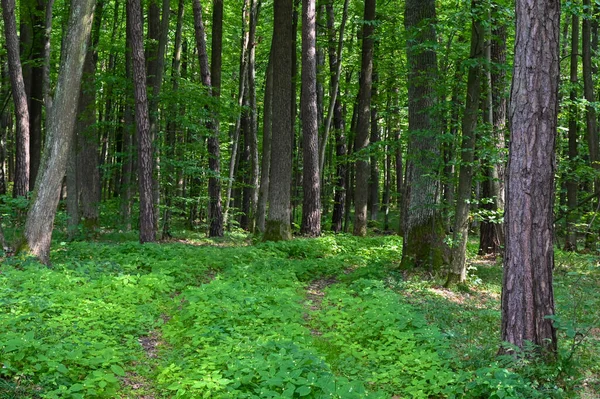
(60, 128)
(278, 226)
(19, 94)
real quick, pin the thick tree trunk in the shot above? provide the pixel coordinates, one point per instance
(60, 128)
(311, 182)
(458, 267)
(361, 190)
(423, 226)
(278, 221)
(144, 141)
(19, 94)
(527, 293)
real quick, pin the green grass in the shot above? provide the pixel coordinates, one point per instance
(230, 318)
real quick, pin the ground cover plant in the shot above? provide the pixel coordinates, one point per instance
(332, 317)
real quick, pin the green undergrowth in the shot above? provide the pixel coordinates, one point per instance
(230, 318)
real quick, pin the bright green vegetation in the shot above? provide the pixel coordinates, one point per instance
(332, 317)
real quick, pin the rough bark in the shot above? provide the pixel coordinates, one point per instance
(527, 292)
(361, 140)
(60, 128)
(144, 141)
(311, 182)
(423, 227)
(278, 226)
(458, 266)
(19, 94)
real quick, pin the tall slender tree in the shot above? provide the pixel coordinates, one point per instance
(458, 270)
(144, 141)
(19, 94)
(361, 140)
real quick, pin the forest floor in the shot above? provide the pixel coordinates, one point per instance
(331, 317)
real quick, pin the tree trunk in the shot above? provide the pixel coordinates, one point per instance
(492, 232)
(311, 183)
(458, 266)
(278, 221)
(144, 141)
(527, 293)
(19, 94)
(172, 126)
(423, 226)
(373, 203)
(266, 148)
(361, 190)
(571, 233)
(60, 128)
(214, 189)
(336, 113)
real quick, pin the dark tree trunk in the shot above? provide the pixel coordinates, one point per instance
(492, 232)
(144, 141)
(60, 129)
(361, 141)
(458, 266)
(311, 183)
(423, 226)
(266, 148)
(591, 118)
(527, 293)
(215, 213)
(172, 126)
(336, 113)
(19, 94)
(373, 203)
(278, 220)
(36, 95)
(571, 234)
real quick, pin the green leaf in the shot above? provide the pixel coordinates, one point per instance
(303, 390)
(118, 370)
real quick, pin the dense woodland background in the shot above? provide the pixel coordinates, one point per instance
(288, 117)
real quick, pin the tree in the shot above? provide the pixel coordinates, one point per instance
(214, 186)
(311, 181)
(21, 186)
(423, 226)
(361, 142)
(458, 269)
(527, 293)
(144, 141)
(277, 226)
(60, 129)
